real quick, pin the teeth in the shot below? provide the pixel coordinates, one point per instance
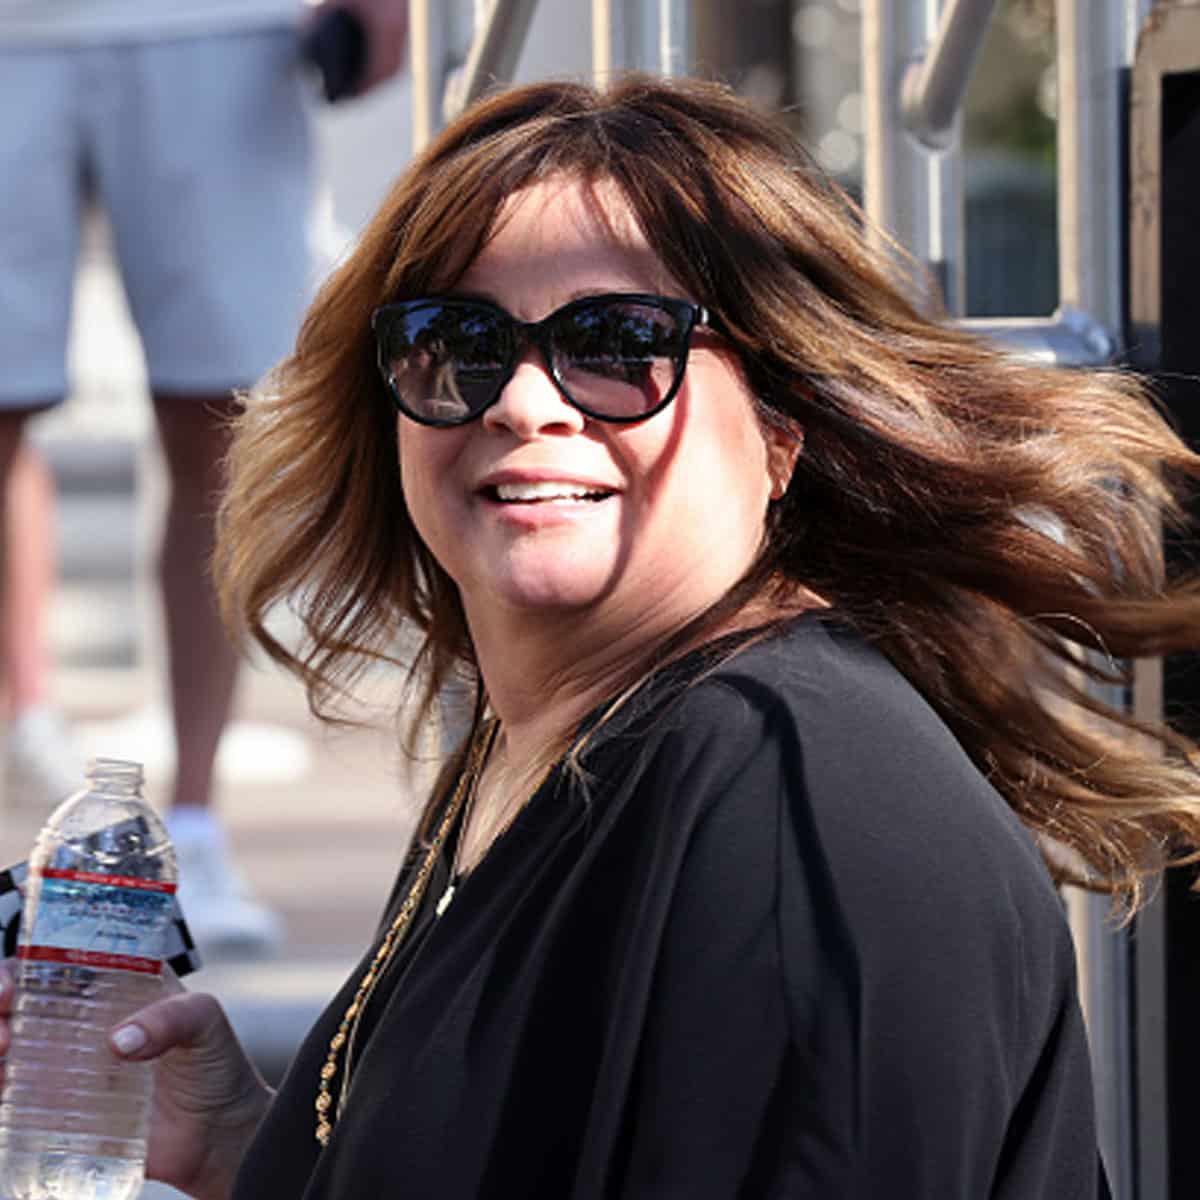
(545, 490)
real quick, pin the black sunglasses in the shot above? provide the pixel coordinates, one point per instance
(616, 357)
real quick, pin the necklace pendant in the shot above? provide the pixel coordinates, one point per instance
(444, 902)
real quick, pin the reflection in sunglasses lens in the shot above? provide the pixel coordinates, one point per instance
(619, 358)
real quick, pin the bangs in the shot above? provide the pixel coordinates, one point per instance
(459, 190)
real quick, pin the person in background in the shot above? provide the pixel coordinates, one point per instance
(780, 597)
(186, 122)
(41, 762)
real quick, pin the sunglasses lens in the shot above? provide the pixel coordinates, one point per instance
(618, 359)
(443, 361)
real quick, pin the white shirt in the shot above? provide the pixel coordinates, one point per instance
(96, 22)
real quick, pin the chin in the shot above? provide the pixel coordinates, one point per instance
(553, 581)
(546, 596)
(560, 585)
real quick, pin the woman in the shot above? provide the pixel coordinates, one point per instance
(776, 594)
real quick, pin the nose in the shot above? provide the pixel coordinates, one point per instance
(531, 404)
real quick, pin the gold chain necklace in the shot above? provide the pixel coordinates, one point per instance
(492, 833)
(392, 939)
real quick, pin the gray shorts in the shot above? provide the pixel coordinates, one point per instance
(199, 151)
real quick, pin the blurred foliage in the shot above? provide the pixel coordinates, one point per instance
(1011, 103)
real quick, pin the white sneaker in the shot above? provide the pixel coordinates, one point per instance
(224, 917)
(41, 762)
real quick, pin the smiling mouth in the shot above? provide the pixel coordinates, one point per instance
(543, 492)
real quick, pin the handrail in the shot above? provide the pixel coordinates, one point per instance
(426, 52)
(495, 50)
(673, 49)
(933, 88)
(606, 31)
(914, 186)
(625, 34)
(650, 35)
(1069, 338)
(912, 193)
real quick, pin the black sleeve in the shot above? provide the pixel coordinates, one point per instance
(715, 1032)
(866, 985)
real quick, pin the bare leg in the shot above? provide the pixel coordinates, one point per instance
(29, 572)
(202, 663)
(11, 426)
(202, 666)
(42, 763)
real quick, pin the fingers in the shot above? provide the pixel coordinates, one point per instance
(187, 1019)
(8, 991)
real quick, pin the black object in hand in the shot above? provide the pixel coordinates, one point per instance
(336, 44)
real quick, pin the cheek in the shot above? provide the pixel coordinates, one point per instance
(409, 473)
(403, 456)
(739, 465)
(736, 441)
(424, 458)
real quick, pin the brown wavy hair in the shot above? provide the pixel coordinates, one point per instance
(993, 526)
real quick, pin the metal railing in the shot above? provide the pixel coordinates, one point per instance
(650, 35)
(916, 67)
(493, 56)
(933, 88)
(917, 60)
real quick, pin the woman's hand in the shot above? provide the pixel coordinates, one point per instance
(208, 1096)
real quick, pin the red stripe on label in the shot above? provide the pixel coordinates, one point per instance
(91, 958)
(125, 881)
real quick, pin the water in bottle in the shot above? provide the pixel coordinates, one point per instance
(73, 1117)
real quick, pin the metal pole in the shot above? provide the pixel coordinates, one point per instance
(1068, 339)
(912, 192)
(426, 56)
(1095, 42)
(933, 89)
(602, 41)
(637, 35)
(494, 52)
(674, 36)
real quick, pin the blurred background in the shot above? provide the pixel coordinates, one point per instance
(301, 801)
(799, 56)
(802, 57)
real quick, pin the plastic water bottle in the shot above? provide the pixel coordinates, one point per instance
(74, 1117)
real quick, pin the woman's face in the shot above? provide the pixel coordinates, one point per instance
(534, 507)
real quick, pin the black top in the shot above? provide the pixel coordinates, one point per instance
(781, 939)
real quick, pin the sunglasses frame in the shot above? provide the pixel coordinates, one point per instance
(526, 334)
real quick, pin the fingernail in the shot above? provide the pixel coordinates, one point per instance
(129, 1039)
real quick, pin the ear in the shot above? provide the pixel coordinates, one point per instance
(784, 447)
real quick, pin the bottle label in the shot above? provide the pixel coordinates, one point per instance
(108, 921)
